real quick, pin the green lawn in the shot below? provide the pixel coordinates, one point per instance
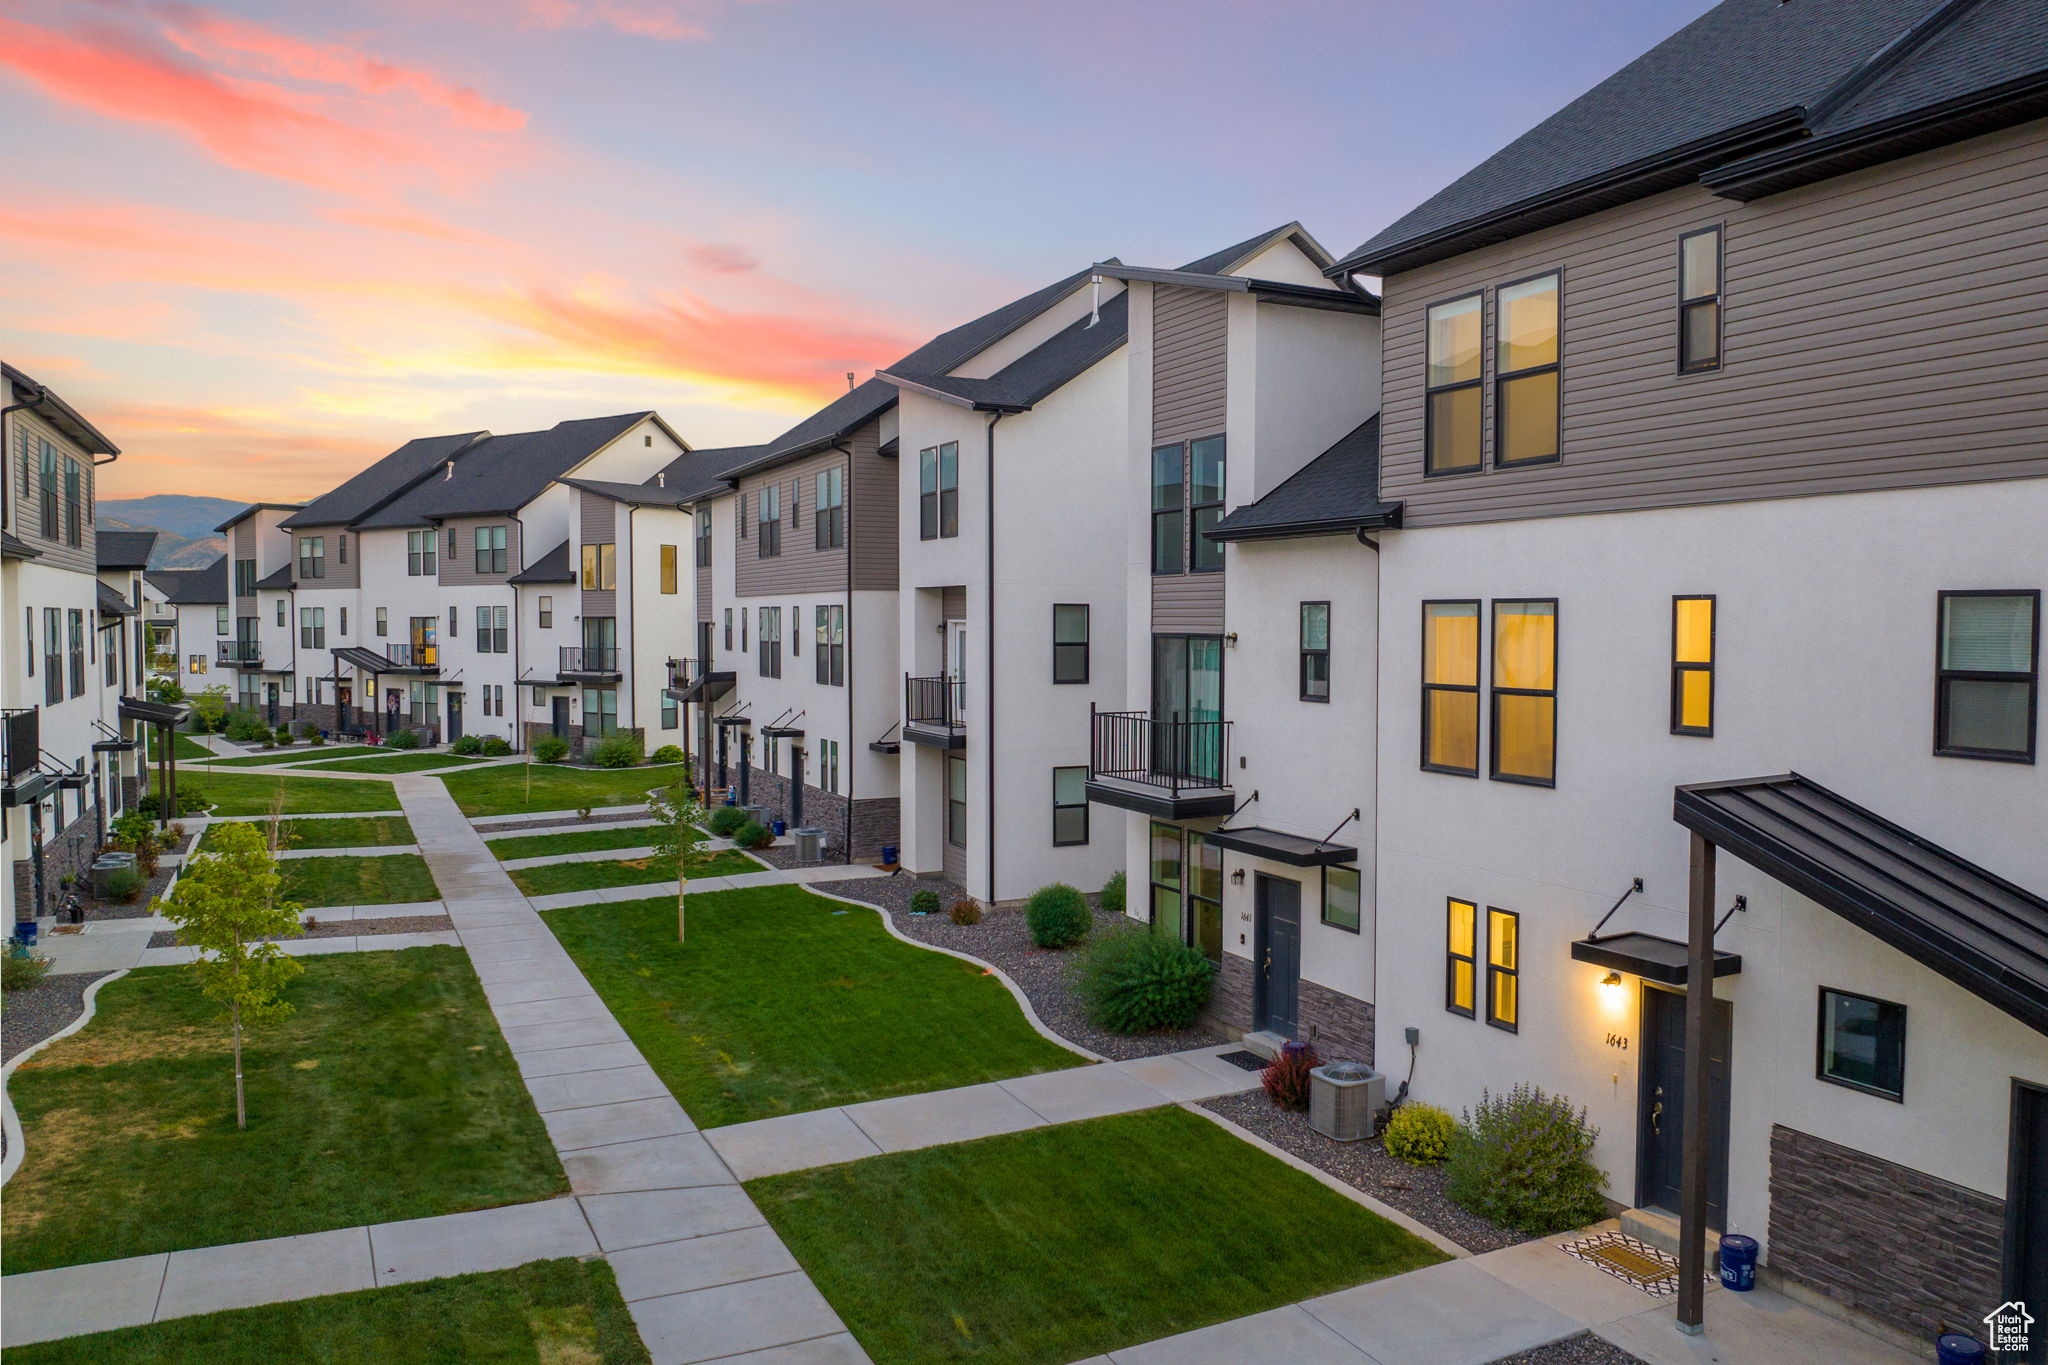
(564, 1312)
(364, 831)
(400, 762)
(183, 749)
(574, 841)
(1074, 1240)
(387, 879)
(550, 878)
(502, 790)
(253, 793)
(387, 1093)
(298, 753)
(784, 1001)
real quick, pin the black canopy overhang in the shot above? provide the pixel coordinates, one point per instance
(732, 720)
(1980, 931)
(1649, 956)
(362, 660)
(1278, 847)
(782, 731)
(149, 712)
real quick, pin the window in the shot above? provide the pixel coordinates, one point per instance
(600, 567)
(547, 611)
(245, 578)
(76, 651)
(1461, 957)
(668, 569)
(1070, 642)
(1205, 897)
(220, 620)
(451, 543)
(1503, 969)
(770, 543)
(110, 652)
(425, 700)
(1341, 897)
(48, 474)
(1526, 373)
(419, 554)
(668, 712)
(600, 710)
(1315, 651)
(383, 621)
(703, 537)
(828, 764)
(1168, 874)
(1450, 687)
(601, 643)
(493, 630)
(489, 543)
(312, 557)
(769, 638)
(341, 548)
(1692, 665)
(1988, 675)
(796, 629)
(280, 611)
(1862, 1044)
(312, 627)
(739, 516)
(956, 801)
(344, 622)
(1205, 497)
(796, 498)
(423, 631)
(1069, 806)
(74, 505)
(831, 652)
(1525, 692)
(1699, 301)
(451, 623)
(938, 491)
(195, 663)
(828, 516)
(1169, 485)
(1455, 399)
(53, 654)
(728, 627)
(1187, 692)
(540, 695)
(743, 630)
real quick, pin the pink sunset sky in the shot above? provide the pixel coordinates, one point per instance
(262, 244)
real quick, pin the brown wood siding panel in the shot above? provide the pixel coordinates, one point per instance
(340, 575)
(57, 552)
(953, 604)
(1190, 604)
(597, 523)
(1881, 330)
(459, 570)
(1190, 342)
(801, 567)
(872, 512)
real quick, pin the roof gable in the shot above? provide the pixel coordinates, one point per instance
(372, 488)
(501, 474)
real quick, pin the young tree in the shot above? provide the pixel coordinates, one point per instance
(209, 708)
(678, 836)
(225, 903)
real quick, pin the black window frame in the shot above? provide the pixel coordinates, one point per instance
(1891, 1014)
(740, 516)
(1710, 299)
(74, 650)
(1153, 886)
(1494, 972)
(828, 511)
(312, 627)
(1452, 957)
(703, 537)
(1358, 905)
(1065, 649)
(938, 507)
(312, 565)
(1501, 378)
(245, 578)
(796, 498)
(956, 807)
(768, 641)
(768, 518)
(830, 654)
(728, 629)
(74, 503)
(46, 466)
(1058, 806)
(1475, 688)
(1177, 513)
(1944, 676)
(1430, 468)
(1208, 512)
(1309, 656)
(1494, 692)
(488, 543)
(1679, 667)
(383, 622)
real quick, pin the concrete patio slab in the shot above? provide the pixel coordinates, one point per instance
(1761, 1327)
(607, 1125)
(791, 1142)
(579, 1089)
(1179, 1079)
(1448, 1314)
(209, 1279)
(650, 1217)
(1083, 1092)
(1581, 1292)
(43, 1305)
(906, 1122)
(484, 1239)
(1284, 1334)
(664, 1163)
(706, 1324)
(573, 1033)
(699, 1263)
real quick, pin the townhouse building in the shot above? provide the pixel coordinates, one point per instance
(260, 660)
(1708, 737)
(196, 619)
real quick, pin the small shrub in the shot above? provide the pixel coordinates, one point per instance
(1112, 897)
(191, 800)
(924, 902)
(753, 834)
(245, 727)
(550, 749)
(403, 739)
(667, 753)
(726, 820)
(964, 911)
(583, 812)
(318, 738)
(1525, 1160)
(124, 885)
(1133, 981)
(1420, 1134)
(165, 690)
(496, 747)
(619, 751)
(468, 744)
(1057, 914)
(269, 742)
(20, 968)
(1286, 1077)
(285, 737)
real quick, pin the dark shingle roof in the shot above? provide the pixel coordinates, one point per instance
(253, 508)
(502, 473)
(552, 567)
(60, 413)
(1222, 262)
(1743, 67)
(112, 603)
(695, 475)
(1337, 491)
(1039, 371)
(381, 482)
(207, 587)
(280, 577)
(13, 547)
(125, 549)
(649, 494)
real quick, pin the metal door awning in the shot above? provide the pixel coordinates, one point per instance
(1279, 847)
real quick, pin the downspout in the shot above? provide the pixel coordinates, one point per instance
(632, 680)
(518, 701)
(989, 611)
(846, 819)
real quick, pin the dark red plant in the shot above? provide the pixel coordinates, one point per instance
(1286, 1077)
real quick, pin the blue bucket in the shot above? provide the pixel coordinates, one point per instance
(888, 855)
(780, 827)
(1955, 1348)
(1738, 1262)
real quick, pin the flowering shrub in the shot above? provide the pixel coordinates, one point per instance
(1286, 1077)
(1525, 1160)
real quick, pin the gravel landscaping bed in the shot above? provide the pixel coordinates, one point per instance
(139, 907)
(1003, 940)
(343, 928)
(1583, 1349)
(32, 1015)
(1417, 1191)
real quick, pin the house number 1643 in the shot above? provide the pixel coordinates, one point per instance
(1619, 1040)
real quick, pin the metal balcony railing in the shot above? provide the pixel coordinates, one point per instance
(684, 673)
(412, 655)
(239, 652)
(590, 659)
(940, 701)
(21, 741)
(1159, 751)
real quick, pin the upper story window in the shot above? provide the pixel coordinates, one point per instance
(1450, 687)
(220, 620)
(341, 549)
(938, 491)
(728, 628)
(493, 632)
(245, 578)
(1315, 651)
(1070, 642)
(74, 504)
(703, 537)
(796, 500)
(739, 516)
(668, 568)
(1699, 300)
(384, 621)
(828, 516)
(1205, 503)
(1169, 494)
(770, 544)
(1455, 398)
(47, 471)
(1988, 674)
(1526, 372)
(490, 549)
(1692, 665)
(545, 607)
(420, 554)
(1187, 502)
(451, 542)
(312, 557)
(280, 611)
(312, 627)
(1525, 692)
(600, 567)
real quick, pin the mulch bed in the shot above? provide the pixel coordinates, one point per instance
(1417, 1191)
(32, 1015)
(343, 928)
(1003, 940)
(139, 907)
(1583, 1349)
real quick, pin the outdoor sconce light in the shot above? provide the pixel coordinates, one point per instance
(1611, 979)
(1237, 877)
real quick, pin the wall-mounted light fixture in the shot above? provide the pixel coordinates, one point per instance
(1611, 979)
(1237, 876)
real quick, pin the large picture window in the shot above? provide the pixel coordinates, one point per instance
(1988, 675)
(1862, 1043)
(1699, 300)
(1070, 642)
(600, 567)
(1692, 665)
(1525, 692)
(1526, 372)
(1455, 398)
(1461, 958)
(938, 490)
(1069, 806)
(1503, 969)
(1450, 687)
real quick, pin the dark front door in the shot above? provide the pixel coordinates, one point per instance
(270, 701)
(2026, 1215)
(1660, 1137)
(560, 716)
(455, 716)
(1276, 984)
(344, 696)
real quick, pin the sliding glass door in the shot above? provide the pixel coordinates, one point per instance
(1187, 707)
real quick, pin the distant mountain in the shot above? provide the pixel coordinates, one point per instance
(182, 514)
(171, 551)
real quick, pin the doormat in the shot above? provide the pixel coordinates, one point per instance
(1248, 1061)
(1640, 1264)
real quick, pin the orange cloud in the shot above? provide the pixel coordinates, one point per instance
(167, 445)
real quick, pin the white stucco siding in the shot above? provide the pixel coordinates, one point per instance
(632, 457)
(655, 626)
(1317, 378)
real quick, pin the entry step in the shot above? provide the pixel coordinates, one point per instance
(1267, 1044)
(1659, 1229)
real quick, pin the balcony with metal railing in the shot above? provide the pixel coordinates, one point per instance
(935, 711)
(1160, 765)
(590, 663)
(421, 657)
(239, 653)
